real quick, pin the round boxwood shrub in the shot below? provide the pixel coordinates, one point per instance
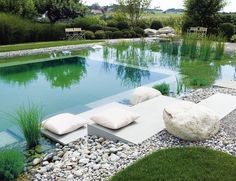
(110, 29)
(95, 27)
(117, 34)
(11, 164)
(144, 24)
(133, 34)
(156, 25)
(139, 31)
(227, 29)
(122, 25)
(89, 35)
(100, 34)
(109, 34)
(127, 34)
(111, 23)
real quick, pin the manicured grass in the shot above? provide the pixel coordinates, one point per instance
(27, 46)
(185, 164)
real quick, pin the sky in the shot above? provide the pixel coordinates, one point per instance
(164, 4)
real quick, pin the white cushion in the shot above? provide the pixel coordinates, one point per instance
(63, 123)
(141, 94)
(115, 118)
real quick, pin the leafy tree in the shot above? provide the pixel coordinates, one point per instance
(25, 8)
(203, 13)
(134, 9)
(61, 9)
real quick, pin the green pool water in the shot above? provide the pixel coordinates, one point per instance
(191, 72)
(61, 84)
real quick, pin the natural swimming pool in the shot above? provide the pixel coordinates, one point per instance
(68, 84)
(65, 84)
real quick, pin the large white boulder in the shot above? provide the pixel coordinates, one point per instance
(190, 121)
(166, 30)
(150, 32)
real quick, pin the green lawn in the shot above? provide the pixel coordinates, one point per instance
(181, 164)
(26, 46)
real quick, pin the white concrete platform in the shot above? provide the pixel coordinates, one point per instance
(81, 132)
(149, 124)
(151, 120)
(67, 138)
(226, 84)
(222, 104)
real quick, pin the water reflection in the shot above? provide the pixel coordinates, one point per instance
(65, 73)
(134, 53)
(168, 55)
(20, 75)
(60, 73)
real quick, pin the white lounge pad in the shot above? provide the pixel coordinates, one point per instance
(226, 84)
(67, 138)
(149, 124)
(81, 132)
(87, 115)
(222, 104)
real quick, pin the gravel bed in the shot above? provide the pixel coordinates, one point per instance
(61, 48)
(93, 158)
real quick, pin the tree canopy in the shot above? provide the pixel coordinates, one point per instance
(134, 9)
(55, 9)
(203, 13)
(25, 8)
(61, 9)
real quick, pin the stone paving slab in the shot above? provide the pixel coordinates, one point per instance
(226, 84)
(222, 104)
(6, 139)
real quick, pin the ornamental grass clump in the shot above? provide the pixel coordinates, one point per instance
(11, 164)
(164, 88)
(29, 120)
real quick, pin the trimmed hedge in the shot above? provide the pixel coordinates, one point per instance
(89, 35)
(139, 31)
(95, 27)
(14, 29)
(100, 34)
(127, 33)
(113, 29)
(117, 34)
(109, 34)
(122, 25)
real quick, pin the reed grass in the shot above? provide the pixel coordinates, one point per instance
(29, 121)
(219, 47)
(179, 86)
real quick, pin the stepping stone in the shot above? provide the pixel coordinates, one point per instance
(222, 104)
(6, 139)
(226, 84)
